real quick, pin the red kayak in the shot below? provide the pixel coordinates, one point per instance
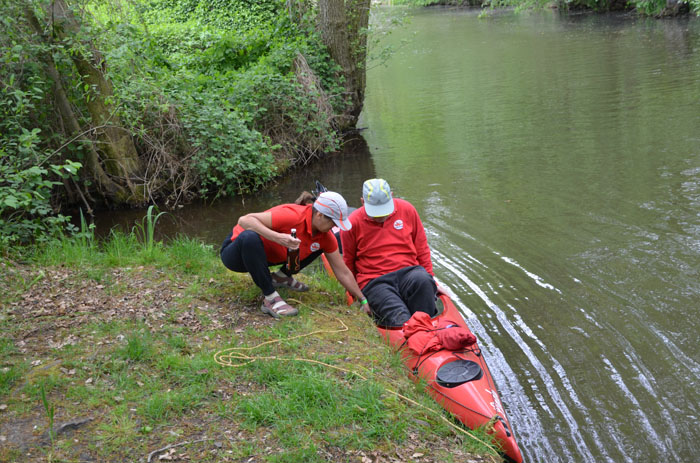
(460, 381)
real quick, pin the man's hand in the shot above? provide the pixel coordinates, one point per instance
(366, 308)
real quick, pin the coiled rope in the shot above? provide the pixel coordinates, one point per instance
(240, 356)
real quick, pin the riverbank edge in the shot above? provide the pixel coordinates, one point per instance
(117, 347)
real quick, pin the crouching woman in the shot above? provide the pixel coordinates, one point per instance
(261, 240)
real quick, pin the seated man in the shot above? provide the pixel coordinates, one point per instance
(387, 251)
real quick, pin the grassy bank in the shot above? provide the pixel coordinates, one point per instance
(113, 346)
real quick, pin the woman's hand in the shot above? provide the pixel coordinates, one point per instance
(288, 241)
(261, 223)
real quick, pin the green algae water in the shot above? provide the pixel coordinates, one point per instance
(555, 161)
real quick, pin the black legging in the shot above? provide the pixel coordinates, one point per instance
(247, 254)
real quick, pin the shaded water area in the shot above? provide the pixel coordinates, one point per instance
(556, 164)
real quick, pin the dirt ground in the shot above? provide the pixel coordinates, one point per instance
(55, 310)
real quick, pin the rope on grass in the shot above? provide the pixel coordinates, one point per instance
(236, 357)
(226, 357)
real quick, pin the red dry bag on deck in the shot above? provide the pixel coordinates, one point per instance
(423, 337)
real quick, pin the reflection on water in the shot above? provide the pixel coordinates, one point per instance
(559, 167)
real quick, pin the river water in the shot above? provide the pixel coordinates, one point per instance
(555, 161)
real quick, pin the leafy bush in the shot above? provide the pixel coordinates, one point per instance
(650, 7)
(226, 14)
(230, 157)
(228, 99)
(25, 207)
(26, 186)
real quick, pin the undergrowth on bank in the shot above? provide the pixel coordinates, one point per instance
(215, 97)
(120, 337)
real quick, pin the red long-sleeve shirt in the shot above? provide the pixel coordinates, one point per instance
(372, 249)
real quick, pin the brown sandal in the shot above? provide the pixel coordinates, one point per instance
(288, 282)
(277, 308)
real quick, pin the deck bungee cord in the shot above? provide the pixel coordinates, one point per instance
(236, 357)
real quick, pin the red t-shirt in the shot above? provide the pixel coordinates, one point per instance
(372, 249)
(284, 218)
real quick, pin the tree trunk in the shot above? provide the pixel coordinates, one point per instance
(343, 27)
(121, 160)
(358, 22)
(105, 184)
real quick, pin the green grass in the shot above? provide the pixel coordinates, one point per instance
(138, 348)
(150, 380)
(9, 376)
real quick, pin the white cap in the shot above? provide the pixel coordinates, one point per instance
(376, 193)
(333, 205)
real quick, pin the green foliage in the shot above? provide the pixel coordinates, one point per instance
(228, 14)
(146, 230)
(650, 7)
(230, 157)
(419, 2)
(234, 50)
(8, 377)
(26, 212)
(307, 397)
(191, 255)
(227, 95)
(206, 88)
(27, 182)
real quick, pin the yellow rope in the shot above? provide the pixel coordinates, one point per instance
(226, 358)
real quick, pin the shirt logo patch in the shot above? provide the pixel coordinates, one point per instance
(315, 247)
(398, 224)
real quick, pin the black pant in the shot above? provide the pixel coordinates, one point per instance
(247, 254)
(394, 297)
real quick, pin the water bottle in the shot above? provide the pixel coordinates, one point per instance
(293, 264)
